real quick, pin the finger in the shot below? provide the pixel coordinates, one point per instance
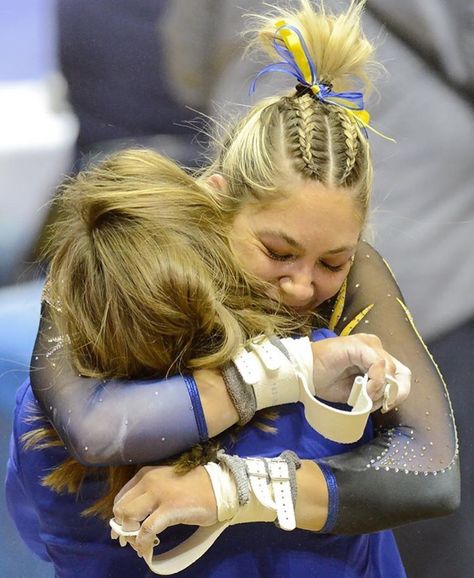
(402, 376)
(376, 383)
(132, 542)
(123, 541)
(156, 523)
(364, 351)
(130, 512)
(131, 483)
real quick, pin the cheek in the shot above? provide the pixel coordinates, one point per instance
(254, 261)
(264, 269)
(327, 285)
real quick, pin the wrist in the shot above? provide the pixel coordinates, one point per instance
(255, 489)
(265, 366)
(219, 410)
(224, 491)
(319, 368)
(313, 498)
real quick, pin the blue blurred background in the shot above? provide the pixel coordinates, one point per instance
(81, 78)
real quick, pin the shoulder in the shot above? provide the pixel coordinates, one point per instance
(366, 251)
(371, 274)
(368, 259)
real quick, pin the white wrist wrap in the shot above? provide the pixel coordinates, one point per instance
(268, 491)
(281, 489)
(276, 380)
(225, 492)
(269, 499)
(273, 377)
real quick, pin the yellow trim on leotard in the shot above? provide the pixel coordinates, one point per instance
(338, 306)
(357, 319)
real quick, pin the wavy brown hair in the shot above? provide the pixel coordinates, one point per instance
(147, 285)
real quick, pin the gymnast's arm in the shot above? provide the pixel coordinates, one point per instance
(138, 422)
(410, 471)
(117, 422)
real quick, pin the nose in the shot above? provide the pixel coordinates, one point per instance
(297, 289)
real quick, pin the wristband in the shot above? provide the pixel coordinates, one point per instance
(240, 393)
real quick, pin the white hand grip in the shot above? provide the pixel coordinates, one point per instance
(338, 425)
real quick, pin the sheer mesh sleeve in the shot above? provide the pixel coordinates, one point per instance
(410, 470)
(112, 422)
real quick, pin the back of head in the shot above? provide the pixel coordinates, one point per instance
(141, 266)
(310, 134)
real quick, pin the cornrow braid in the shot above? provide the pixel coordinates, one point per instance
(306, 134)
(322, 139)
(351, 134)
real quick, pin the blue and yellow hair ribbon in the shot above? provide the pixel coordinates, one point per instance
(296, 61)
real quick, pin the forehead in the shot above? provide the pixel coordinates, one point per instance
(311, 214)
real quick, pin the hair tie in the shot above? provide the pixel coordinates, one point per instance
(296, 61)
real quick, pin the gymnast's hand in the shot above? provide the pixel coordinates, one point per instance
(338, 361)
(157, 497)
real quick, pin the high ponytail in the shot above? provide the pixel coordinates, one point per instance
(337, 45)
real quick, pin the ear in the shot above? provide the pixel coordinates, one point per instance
(218, 182)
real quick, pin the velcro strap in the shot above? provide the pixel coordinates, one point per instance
(280, 482)
(268, 354)
(269, 372)
(301, 356)
(249, 366)
(258, 479)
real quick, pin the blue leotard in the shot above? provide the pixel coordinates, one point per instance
(52, 526)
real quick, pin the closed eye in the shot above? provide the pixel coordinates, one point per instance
(333, 268)
(278, 256)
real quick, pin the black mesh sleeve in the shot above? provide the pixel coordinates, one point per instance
(410, 470)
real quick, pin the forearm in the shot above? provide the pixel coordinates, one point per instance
(369, 495)
(119, 422)
(311, 508)
(410, 471)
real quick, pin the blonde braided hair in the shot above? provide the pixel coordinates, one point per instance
(349, 127)
(304, 126)
(282, 138)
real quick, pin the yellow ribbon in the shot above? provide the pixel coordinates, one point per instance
(293, 44)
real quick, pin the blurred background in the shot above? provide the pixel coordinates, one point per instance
(81, 78)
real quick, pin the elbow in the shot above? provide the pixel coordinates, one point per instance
(445, 495)
(451, 504)
(86, 452)
(449, 499)
(84, 455)
(87, 459)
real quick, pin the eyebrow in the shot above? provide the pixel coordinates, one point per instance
(292, 242)
(297, 245)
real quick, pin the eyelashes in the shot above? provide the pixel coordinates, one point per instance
(274, 256)
(333, 268)
(277, 256)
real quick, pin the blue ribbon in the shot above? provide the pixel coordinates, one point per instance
(289, 66)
